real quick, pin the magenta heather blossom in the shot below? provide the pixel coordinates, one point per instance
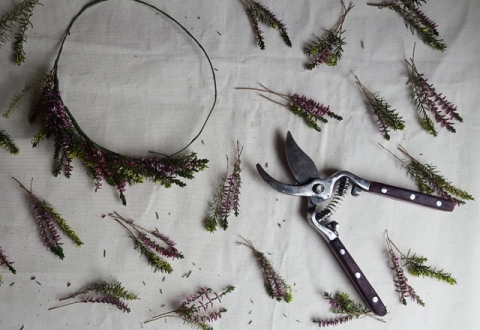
(106, 293)
(227, 197)
(402, 287)
(194, 309)
(310, 110)
(328, 49)
(348, 308)
(48, 221)
(426, 99)
(276, 286)
(148, 246)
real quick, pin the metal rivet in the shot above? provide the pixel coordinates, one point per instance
(412, 197)
(358, 275)
(384, 190)
(342, 252)
(318, 188)
(375, 299)
(439, 203)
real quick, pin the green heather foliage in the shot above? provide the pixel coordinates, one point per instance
(328, 49)
(387, 118)
(20, 15)
(256, 13)
(7, 142)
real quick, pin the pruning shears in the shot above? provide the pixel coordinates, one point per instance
(332, 189)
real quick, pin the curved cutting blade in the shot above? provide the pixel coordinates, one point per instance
(302, 166)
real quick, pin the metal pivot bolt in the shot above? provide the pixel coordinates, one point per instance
(318, 188)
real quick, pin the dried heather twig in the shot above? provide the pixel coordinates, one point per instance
(276, 286)
(227, 197)
(310, 110)
(417, 21)
(7, 142)
(104, 292)
(426, 99)
(256, 13)
(192, 307)
(145, 242)
(387, 118)
(348, 308)
(48, 222)
(328, 49)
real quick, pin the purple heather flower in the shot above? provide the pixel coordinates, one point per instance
(48, 230)
(109, 300)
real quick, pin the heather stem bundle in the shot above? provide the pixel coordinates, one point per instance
(276, 286)
(49, 221)
(310, 110)
(329, 49)
(348, 308)
(104, 292)
(426, 100)
(195, 309)
(145, 242)
(256, 13)
(227, 197)
(387, 118)
(417, 21)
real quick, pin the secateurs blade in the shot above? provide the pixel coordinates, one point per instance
(332, 189)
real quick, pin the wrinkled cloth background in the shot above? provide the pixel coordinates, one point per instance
(136, 82)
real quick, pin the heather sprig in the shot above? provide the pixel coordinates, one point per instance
(387, 118)
(17, 99)
(103, 292)
(145, 242)
(48, 222)
(256, 13)
(329, 49)
(6, 263)
(20, 15)
(7, 142)
(416, 265)
(426, 100)
(227, 197)
(348, 308)
(195, 308)
(276, 286)
(117, 170)
(404, 289)
(310, 110)
(417, 21)
(429, 180)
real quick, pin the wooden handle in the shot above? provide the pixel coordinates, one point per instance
(412, 196)
(358, 278)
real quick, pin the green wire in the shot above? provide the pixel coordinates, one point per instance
(74, 122)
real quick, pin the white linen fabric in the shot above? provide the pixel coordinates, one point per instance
(136, 82)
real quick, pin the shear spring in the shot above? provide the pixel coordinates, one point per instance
(341, 191)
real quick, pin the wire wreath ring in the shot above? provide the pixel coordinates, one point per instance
(102, 164)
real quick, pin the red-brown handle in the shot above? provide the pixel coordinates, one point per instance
(357, 277)
(412, 196)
